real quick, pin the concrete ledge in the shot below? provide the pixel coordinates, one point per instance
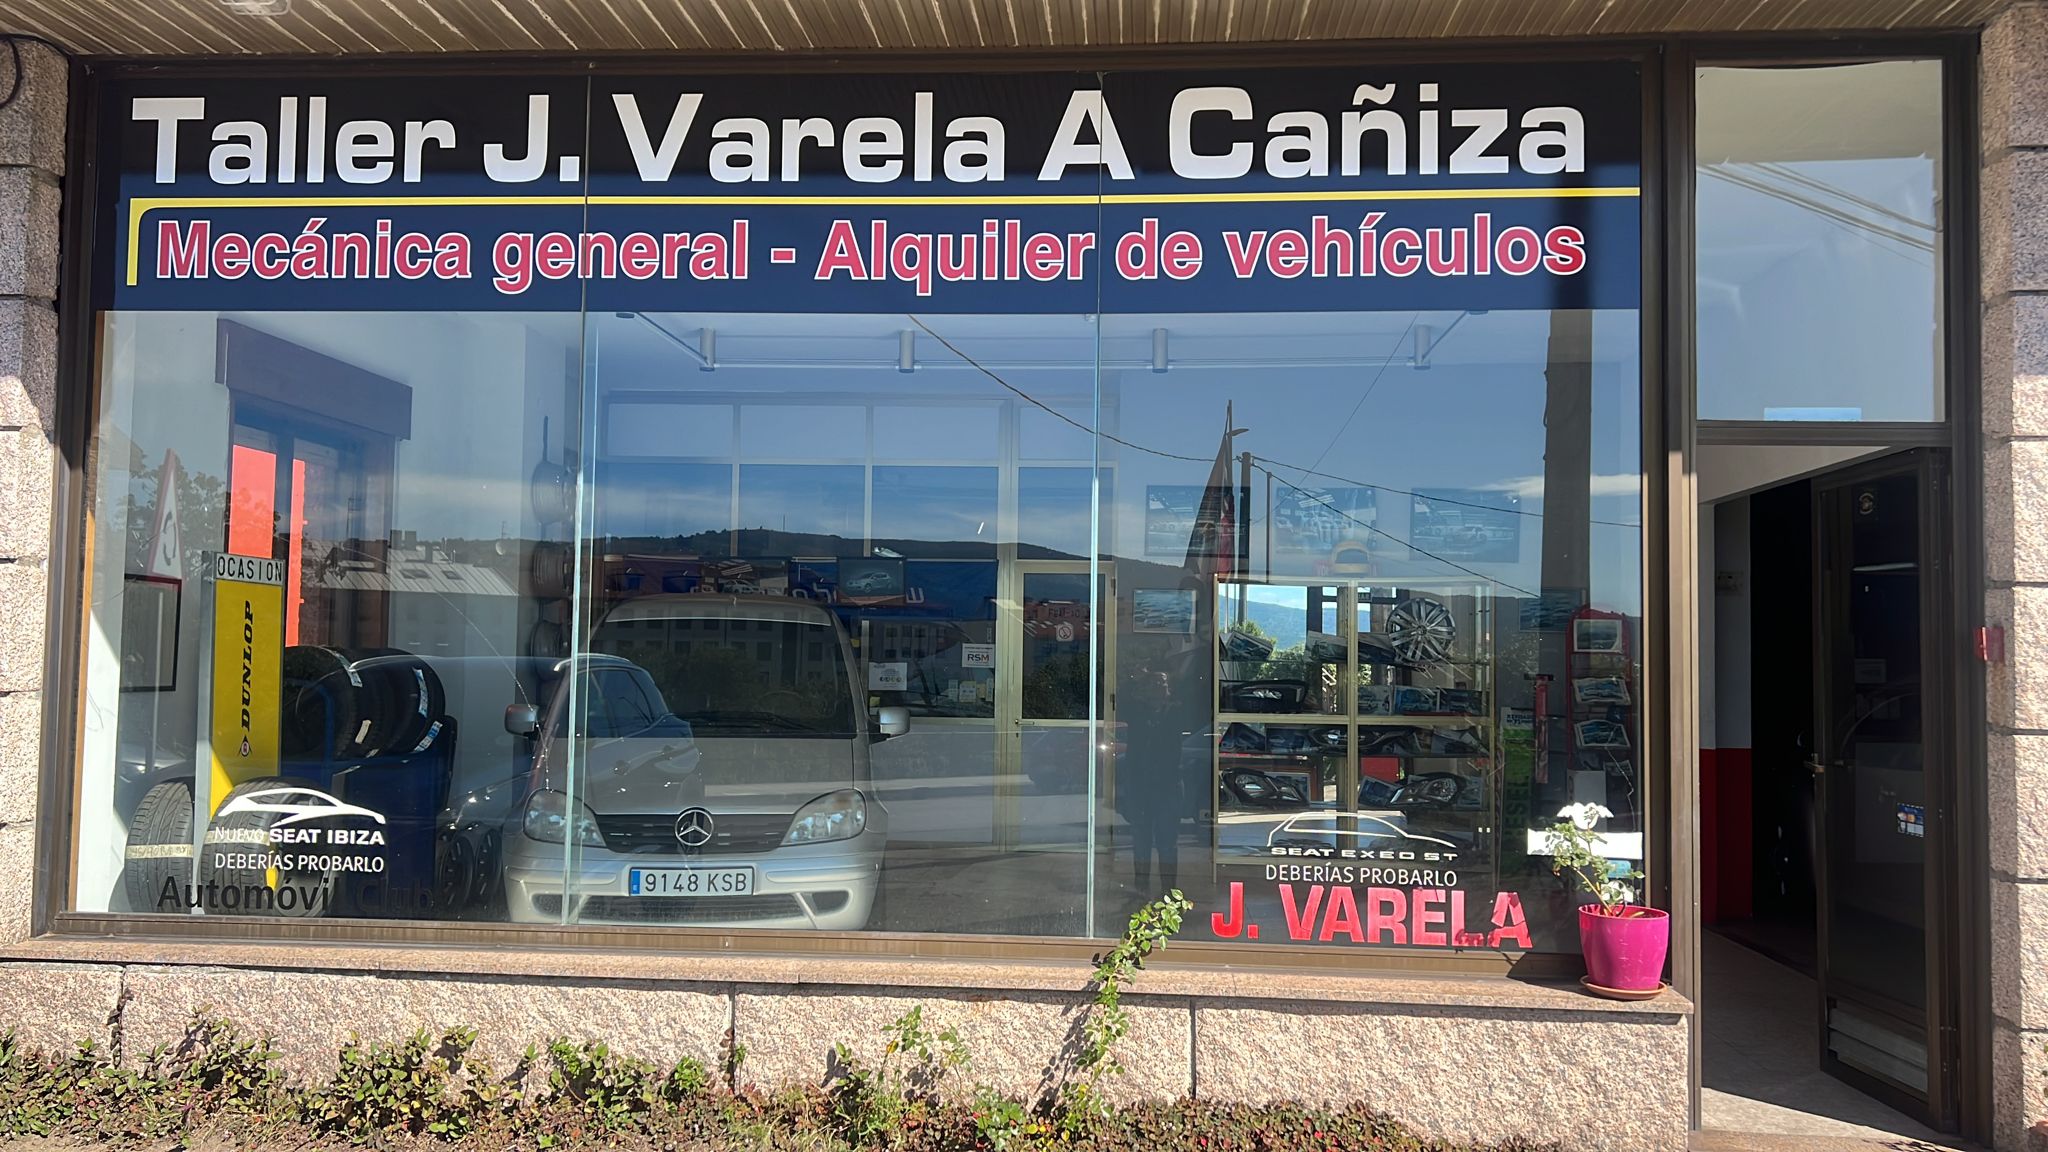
(855, 972)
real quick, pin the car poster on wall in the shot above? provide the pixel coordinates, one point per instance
(1335, 528)
(1469, 525)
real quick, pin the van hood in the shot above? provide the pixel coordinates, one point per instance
(724, 774)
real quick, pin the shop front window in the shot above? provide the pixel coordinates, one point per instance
(963, 505)
(1359, 686)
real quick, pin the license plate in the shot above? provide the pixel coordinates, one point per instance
(690, 882)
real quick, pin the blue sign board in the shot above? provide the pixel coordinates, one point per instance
(1423, 186)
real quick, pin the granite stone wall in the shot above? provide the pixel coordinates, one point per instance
(2014, 300)
(32, 126)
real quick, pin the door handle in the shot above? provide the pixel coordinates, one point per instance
(1815, 765)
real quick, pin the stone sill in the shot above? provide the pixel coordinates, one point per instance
(1493, 993)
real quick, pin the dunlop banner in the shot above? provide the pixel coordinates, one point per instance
(248, 670)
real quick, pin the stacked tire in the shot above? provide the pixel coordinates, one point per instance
(359, 704)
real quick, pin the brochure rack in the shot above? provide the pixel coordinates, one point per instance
(1600, 703)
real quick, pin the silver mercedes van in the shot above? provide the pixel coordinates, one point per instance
(706, 766)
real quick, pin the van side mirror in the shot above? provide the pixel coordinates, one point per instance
(892, 721)
(522, 719)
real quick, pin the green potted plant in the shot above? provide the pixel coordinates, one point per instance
(1624, 942)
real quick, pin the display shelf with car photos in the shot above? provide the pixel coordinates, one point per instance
(1354, 716)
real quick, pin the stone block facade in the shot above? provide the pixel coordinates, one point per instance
(1462, 1071)
(32, 132)
(2013, 184)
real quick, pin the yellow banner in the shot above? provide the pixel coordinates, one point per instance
(248, 670)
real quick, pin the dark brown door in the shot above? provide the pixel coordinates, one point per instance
(1882, 769)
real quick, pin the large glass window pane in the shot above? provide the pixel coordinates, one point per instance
(1820, 242)
(1365, 681)
(644, 503)
(802, 509)
(1055, 510)
(876, 569)
(331, 485)
(952, 507)
(388, 489)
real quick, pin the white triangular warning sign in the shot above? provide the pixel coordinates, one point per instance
(166, 549)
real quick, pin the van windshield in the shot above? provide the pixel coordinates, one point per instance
(740, 677)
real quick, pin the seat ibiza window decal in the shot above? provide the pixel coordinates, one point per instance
(315, 806)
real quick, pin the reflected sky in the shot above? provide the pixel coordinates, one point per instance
(1818, 286)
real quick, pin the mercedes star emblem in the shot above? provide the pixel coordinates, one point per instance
(693, 828)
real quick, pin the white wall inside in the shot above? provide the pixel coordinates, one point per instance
(1727, 470)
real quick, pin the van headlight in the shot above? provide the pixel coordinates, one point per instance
(837, 816)
(549, 815)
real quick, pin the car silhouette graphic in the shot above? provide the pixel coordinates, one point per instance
(869, 583)
(319, 805)
(1385, 829)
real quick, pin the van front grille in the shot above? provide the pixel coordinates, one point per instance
(731, 833)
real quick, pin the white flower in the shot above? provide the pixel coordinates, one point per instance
(1585, 816)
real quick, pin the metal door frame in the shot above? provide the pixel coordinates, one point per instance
(1941, 1107)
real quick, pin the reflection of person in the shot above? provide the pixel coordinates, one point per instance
(1153, 790)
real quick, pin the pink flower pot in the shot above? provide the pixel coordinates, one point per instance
(1625, 952)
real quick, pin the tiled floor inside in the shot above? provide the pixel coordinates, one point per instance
(1762, 1086)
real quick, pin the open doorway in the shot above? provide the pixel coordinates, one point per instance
(1826, 973)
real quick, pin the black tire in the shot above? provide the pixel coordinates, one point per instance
(321, 682)
(429, 708)
(378, 701)
(454, 871)
(402, 700)
(488, 893)
(243, 834)
(160, 848)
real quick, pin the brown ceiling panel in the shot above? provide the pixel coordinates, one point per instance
(337, 27)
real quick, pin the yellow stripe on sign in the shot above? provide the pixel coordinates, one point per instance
(141, 206)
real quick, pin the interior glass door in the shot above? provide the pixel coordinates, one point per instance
(1879, 773)
(1050, 782)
